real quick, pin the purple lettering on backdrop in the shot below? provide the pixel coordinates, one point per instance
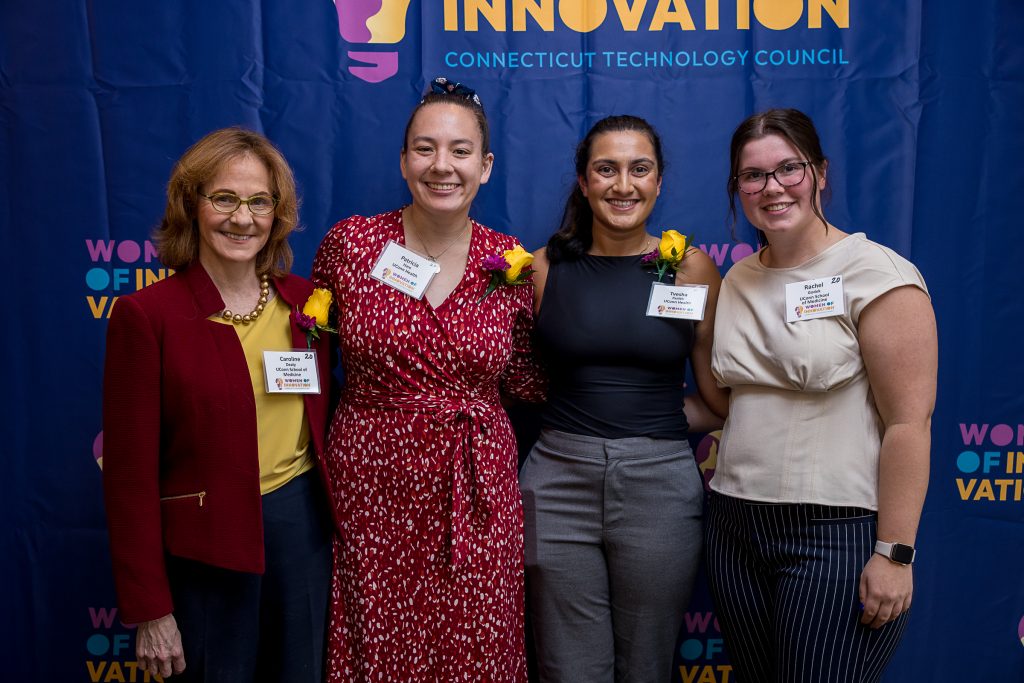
(352, 18)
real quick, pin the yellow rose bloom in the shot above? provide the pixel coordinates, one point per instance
(517, 259)
(317, 306)
(672, 246)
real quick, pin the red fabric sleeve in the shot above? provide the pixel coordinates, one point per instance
(131, 463)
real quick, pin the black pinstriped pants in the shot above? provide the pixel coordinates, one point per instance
(784, 578)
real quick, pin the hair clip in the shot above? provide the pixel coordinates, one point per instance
(442, 86)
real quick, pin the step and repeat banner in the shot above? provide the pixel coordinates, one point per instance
(920, 110)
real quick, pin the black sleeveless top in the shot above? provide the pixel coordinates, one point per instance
(614, 371)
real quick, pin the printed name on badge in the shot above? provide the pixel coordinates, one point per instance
(404, 270)
(810, 299)
(291, 372)
(685, 302)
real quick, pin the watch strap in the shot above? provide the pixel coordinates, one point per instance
(900, 553)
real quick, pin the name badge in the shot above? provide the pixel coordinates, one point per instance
(810, 299)
(685, 302)
(291, 372)
(404, 270)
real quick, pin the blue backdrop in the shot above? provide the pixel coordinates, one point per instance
(920, 113)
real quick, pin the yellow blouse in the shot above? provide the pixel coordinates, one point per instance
(281, 425)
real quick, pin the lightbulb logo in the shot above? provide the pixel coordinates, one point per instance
(707, 457)
(372, 22)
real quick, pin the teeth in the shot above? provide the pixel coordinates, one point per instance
(623, 203)
(237, 238)
(775, 207)
(442, 186)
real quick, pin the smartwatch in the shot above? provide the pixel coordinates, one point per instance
(896, 552)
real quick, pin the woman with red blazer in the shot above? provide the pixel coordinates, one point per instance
(214, 486)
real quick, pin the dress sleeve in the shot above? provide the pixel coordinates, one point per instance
(329, 264)
(131, 463)
(524, 379)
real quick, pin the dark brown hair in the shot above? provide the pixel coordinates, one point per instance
(177, 238)
(796, 128)
(457, 100)
(575, 235)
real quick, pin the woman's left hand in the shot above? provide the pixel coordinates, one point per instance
(886, 589)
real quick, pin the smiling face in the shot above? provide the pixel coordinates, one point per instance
(779, 211)
(622, 181)
(443, 162)
(227, 239)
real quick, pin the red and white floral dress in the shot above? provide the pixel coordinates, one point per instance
(428, 576)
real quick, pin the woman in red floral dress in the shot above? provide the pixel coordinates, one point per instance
(428, 579)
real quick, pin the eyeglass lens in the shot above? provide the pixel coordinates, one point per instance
(788, 174)
(228, 202)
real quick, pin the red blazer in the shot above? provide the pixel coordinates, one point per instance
(179, 419)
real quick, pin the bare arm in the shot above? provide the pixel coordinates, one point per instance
(899, 344)
(698, 268)
(540, 277)
(699, 417)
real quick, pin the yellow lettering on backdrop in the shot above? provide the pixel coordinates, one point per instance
(711, 15)
(97, 307)
(583, 16)
(707, 675)
(985, 491)
(543, 12)
(965, 491)
(743, 14)
(1014, 462)
(630, 15)
(95, 672)
(688, 674)
(114, 674)
(451, 15)
(494, 14)
(664, 14)
(839, 10)
(1013, 484)
(778, 15)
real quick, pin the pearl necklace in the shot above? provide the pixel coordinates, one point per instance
(255, 313)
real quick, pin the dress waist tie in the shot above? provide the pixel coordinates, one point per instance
(468, 417)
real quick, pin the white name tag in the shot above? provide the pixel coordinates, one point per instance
(291, 372)
(810, 299)
(677, 301)
(404, 270)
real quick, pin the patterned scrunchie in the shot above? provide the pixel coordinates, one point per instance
(442, 86)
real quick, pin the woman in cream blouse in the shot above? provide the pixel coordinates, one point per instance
(827, 341)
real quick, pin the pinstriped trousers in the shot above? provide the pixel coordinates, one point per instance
(784, 579)
(613, 535)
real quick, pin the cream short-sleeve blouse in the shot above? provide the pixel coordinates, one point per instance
(802, 427)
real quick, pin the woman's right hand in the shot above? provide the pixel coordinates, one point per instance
(158, 646)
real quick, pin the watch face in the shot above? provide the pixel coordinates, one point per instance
(904, 554)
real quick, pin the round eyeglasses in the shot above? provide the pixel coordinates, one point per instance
(228, 202)
(788, 174)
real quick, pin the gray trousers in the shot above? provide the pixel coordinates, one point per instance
(613, 541)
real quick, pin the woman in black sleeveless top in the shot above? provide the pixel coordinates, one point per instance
(611, 494)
